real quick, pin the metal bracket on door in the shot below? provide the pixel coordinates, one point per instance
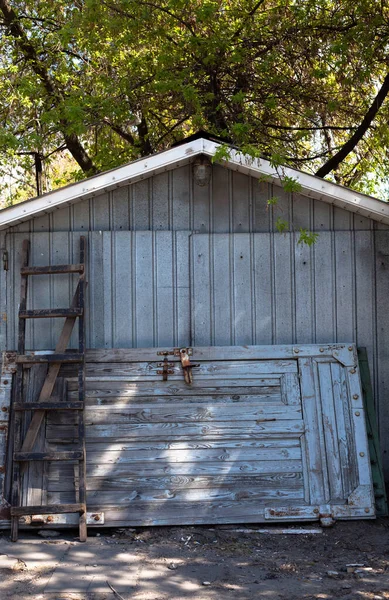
(167, 370)
(184, 354)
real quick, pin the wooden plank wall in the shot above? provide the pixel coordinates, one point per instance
(137, 293)
(335, 291)
(269, 289)
(233, 203)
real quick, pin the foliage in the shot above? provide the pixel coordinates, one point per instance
(112, 80)
(307, 237)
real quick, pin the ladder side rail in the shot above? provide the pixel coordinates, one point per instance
(18, 397)
(81, 398)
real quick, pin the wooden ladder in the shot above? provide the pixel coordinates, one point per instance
(23, 450)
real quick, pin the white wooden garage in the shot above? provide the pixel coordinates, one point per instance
(272, 425)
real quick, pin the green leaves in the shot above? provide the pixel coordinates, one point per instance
(307, 237)
(283, 79)
(290, 184)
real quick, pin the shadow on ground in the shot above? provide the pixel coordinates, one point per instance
(200, 562)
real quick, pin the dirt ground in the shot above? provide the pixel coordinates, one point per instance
(348, 561)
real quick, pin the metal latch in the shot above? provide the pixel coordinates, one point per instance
(166, 368)
(184, 354)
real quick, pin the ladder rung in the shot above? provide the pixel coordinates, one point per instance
(49, 358)
(52, 270)
(46, 509)
(42, 313)
(48, 406)
(26, 456)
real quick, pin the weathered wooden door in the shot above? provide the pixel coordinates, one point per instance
(264, 433)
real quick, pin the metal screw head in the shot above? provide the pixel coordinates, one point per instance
(4, 408)
(356, 396)
(5, 381)
(50, 519)
(316, 511)
(350, 348)
(367, 510)
(357, 414)
(96, 517)
(361, 454)
(296, 350)
(352, 371)
(321, 349)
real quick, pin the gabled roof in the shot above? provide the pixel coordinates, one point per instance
(313, 187)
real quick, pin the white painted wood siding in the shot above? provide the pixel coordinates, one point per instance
(176, 288)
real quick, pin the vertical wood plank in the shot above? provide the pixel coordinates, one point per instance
(284, 318)
(313, 457)
(109, 290)
(39, 293)
(181, 198)
(301, 212)
(201, 207)
(241, 203)
(223, 319)
(81, 215)
(144, 289)
(304, 304)
(346, 444)
(140, 208)
(282, 209)
(164, 256)
(160, 202)
(330, 431)
(201, 305)
(61, 292)
(4, 279)
(242, 265)
(122, 301)
(96, 291)
(100, 212)
(120, 208)
(61, 219)
(322, 216)
(324, 285)
(182, 305)
(345, 298)
(365, 294)
(263, 305)
(221, 179)
(342, 219)
(262, 210)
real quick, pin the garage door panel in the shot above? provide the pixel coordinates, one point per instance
(268, 396)
(224, 368)
(137, 496)
(58, 481)
(195, 455)
(251, 445)
(210, 412)
(176, 431)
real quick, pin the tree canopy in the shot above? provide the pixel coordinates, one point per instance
(102, 82)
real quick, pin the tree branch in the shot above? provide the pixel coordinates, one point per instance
(29, 52)
(349, 146)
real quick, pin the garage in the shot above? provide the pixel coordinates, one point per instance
(222, 382)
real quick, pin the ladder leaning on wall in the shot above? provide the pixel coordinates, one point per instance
(23, 450)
